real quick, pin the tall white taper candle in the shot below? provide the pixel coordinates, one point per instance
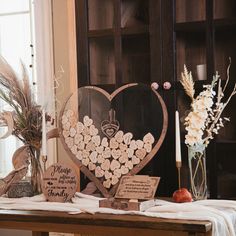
(44, 135)
(177, 138)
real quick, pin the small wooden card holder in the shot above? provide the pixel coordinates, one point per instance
(127, 204)
(134, 193)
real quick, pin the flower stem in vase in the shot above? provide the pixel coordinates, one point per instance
(197, 168)
(36, 170)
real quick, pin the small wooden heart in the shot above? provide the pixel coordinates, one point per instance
(104, 160)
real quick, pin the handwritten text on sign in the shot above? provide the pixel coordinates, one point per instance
(59, 183)
(137, 187)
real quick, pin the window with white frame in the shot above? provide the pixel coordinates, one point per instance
(20, 21)
(16, 42)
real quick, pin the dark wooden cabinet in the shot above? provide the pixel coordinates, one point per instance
(115, 38)
(145, 41)
(205, 35)
(125, 41)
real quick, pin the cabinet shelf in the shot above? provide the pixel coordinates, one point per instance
(225, 141)
(101, 33)
(108, 87)
(200, 26)
(194, 26)
(225, 24)
(198, 84)
(132, 30)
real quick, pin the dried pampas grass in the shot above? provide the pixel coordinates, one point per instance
(187, 82)
(16, 92)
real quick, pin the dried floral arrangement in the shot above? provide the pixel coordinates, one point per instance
(24, 118)
(204, 120)
(26, 113)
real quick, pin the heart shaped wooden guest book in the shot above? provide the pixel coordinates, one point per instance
(112, 135)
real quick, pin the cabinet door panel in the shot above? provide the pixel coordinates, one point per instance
(136, 59)
(224, 9)
(191, 51)
(100, 15)
(190, 10)
(102, 61)
(226, 162)
(125, 41)
(134, 13)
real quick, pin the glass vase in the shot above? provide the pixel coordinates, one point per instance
(197, 168)
(36, 170)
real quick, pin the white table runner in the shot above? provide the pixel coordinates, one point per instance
(221, 213)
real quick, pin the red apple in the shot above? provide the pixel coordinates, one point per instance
(182, 195)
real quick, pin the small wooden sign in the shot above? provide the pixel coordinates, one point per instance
(137, 187)
(59, 183)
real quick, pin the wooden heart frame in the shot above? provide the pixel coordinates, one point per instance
(136, 168)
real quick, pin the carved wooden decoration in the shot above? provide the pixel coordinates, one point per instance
(20, 163)
(104, 160)
(13, 177)
(21, 157)
(59, 183)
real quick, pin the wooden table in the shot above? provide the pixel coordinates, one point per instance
(41, 222)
